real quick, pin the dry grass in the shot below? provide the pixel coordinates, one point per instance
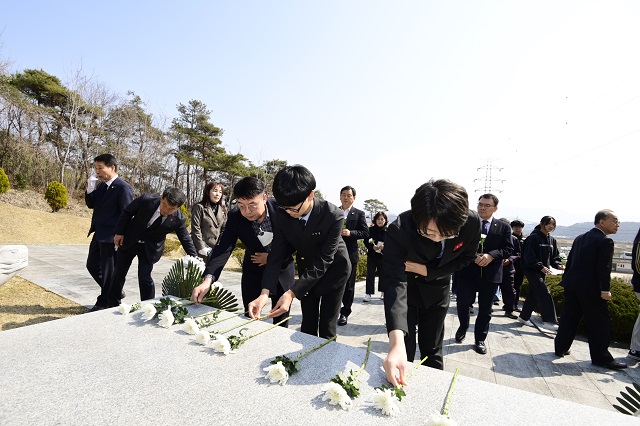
(24, 303)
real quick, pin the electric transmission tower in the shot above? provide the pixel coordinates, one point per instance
(490, 183)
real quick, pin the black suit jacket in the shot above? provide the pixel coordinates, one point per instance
(499, 245)
(133, 225)
(402, 243)
(239, 227)
(588, 266)
(357, 224)
(322, 257)
(107, 205)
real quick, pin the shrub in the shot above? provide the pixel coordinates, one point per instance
(361, 272)
(56, 196)
(238, 255)
(21, 181)
(183, 209)
(4, 181)
(624, 306)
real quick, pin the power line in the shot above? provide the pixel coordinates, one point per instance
(489, 183)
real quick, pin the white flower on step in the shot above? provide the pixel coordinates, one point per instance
(190, 326)
(203, 337)
(336, 395)
(221, 344)
(124, 309)
(148, 312)
(277, 373)
(437, 419)
(386, 401)
(166, 319)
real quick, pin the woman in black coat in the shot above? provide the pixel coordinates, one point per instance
(375, 245)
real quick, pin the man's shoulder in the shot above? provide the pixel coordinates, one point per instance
(123, 183)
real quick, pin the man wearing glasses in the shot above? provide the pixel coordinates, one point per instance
(423, 246)
(312, 228)
(251, 222)
(485, 274)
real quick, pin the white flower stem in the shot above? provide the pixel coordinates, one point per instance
(445, 410)
(416, 367)
(366, 358)
(236, 326)
(315, 348)
(212, 312)
(267, 329)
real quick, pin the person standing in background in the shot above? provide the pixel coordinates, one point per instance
(108, 199)
(375, 246)
(208, 218)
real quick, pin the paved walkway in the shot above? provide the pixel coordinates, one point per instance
(518, 356)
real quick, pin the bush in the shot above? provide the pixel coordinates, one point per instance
(4, 181)
(362, 267)
(183, 209)
(21, 181)
(238, 255)
(624, 306)
(56, 196)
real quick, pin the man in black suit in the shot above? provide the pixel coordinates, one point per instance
(141, 231)
(312, 228)
(355, 228)
(586, 282)
(251, 222)
(423, 246)
(108, 199)
(485, 274)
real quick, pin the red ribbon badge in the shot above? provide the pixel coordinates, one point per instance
(460, 244)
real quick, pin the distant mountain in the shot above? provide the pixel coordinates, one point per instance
(626, 233)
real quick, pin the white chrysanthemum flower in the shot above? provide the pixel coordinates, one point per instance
(190, 326)
(195, 260)
(203, 337)
(386, 401)
(148, 312)
(221, 344)
(437, 419)
(336, 395)
(277, 373)
(124, 309)
(216, 284)
(166, 319)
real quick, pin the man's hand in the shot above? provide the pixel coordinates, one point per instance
(260, 258)
(255, 306)
(606, 296)
(483, 259)
(506, 262)
(118, 240)
(545, 270)
(396, 360)
(416, 268)
(201, 291)
(283, 305)
(345, 232)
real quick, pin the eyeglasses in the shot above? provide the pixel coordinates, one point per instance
(486, 206)
(432, 236)
(250, 207)
(291, 209)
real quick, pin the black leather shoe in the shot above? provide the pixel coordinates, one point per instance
(460, 335)
(480, 348)
(342, 320)
(510, 315)
(561, 354)
(97, 308)
(612, 365)
(122, 295)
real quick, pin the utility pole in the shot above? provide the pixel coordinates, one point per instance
(490, 183)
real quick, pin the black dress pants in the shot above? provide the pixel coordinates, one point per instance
(101, 265)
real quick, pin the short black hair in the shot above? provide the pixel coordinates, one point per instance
(174, 196)
(248, 187)
(493, 197)
(444, 202)
(353, 191)
(517, 222)
(379, 214)
(108, 160)
(547, 220)
(292, 185)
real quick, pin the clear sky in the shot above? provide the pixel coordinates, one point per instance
(380, 95)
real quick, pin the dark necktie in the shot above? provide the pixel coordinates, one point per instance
(485, 227)
(156, 223)
(302, 223)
